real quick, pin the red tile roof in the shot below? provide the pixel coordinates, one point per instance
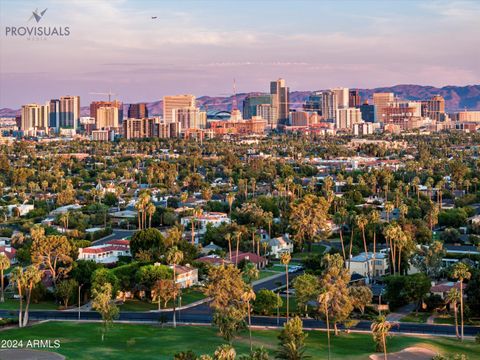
(8, 251)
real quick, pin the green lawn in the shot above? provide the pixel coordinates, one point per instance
(267, 273)
(128, 341)
(13, 304)
(316, 249)
(421, 317)
(188, 296)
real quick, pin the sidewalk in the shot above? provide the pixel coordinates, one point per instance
(401, 312)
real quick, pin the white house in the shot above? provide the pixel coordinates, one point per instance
(360, 264)
(22, 209)
(186, 276)
(213, 218)
(107, 253)
(279, 245)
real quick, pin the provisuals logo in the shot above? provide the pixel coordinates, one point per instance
(36, 15)
(37, 32)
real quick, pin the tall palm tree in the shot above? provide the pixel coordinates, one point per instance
(285, 260)
(247, 297)
(339, 219)
(380, 328)
(374, 220)
(323, 300)
(230, 200)
(228, 237)
(460, 271)
(362, 221)
(174, 257)
(238, 235)
(453, 297)
(150, 211)
(388, 209)
(4, 265)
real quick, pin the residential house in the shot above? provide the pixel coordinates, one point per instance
(214, 219)
(442, 289)
(186, 276)
(107, 253)
(279, 245)
(360, 264)
(259, 261)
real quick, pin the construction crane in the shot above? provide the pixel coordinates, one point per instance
(109, 93)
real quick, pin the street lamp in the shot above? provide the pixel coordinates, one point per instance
(79, 289)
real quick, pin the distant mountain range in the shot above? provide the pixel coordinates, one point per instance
(456, 98)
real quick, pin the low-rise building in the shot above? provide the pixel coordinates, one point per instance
(279, 245)
(259, 261)
(202, 221)
(186, 276)
(361, 264)
(107, 253)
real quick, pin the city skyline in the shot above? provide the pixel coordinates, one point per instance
(199, 47)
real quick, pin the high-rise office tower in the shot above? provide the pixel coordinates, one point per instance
(34, 117)
(69, 112)
(314, 102)
(54, 118)
(171, 103)
(354, 98)
(107, 118)
(268, 113)
(342, 96)
(381, 101)
(368, 112)
(345, 118)
(138, 111)
(280, 100)
(95, 105)
(251, 103)
(190, 118)
(140, 128)
(434, 108)
(329, 104)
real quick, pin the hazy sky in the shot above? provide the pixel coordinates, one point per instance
(200, 46)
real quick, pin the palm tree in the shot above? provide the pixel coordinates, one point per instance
(139, 208)
(150, 211)
(388, 209)
(403, 208)
(374, 220)
(460, 271)
(362, 221)
(230, 200)
(228, 237)
(453, 296)
(323, 299)
(196, 213)
(380, 328)
(174, 257)
(285, 260)
(237, 235)
(247, 297)
(64, 219)
(339, 219)
(4, 265)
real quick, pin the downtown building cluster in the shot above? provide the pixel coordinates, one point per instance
(328, 112)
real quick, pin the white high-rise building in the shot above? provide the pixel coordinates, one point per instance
(345, 118)
(107, 118)
(34, 117)
(190, 118)
(170, 103)
(342, 96)
(328, 104)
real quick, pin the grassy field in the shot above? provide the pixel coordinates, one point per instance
(188, 297)
(13, 304)
(421, 317)
(128, 341)
(267, 273)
